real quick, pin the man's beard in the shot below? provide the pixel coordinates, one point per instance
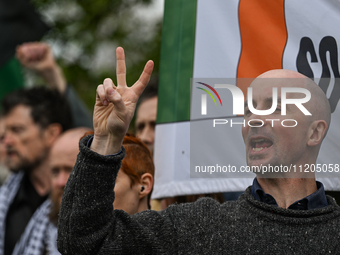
(55, 208)
(23, 164)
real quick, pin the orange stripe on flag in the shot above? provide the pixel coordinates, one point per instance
(263, 35)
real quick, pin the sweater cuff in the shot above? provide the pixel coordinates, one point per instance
(98, 158)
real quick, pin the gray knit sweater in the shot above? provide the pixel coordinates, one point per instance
(88, 224)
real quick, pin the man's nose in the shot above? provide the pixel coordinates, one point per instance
(62, 179)
(7, 139)
(147, 135)
(256, 120)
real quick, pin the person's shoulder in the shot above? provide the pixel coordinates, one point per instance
(331, 201)
(203, 206)
(12, 182)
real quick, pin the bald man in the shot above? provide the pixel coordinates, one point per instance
(276, 145)
(62, 158)
(274, 216)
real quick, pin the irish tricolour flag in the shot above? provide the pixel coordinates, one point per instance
(217, 41)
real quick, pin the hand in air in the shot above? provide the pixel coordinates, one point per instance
(115, 106)
(36, 56)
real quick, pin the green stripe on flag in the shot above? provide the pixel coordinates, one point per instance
(177, 59)
(11, 77)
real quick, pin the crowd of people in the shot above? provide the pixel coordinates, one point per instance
(73, 183)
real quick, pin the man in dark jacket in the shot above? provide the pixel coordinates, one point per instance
(286, 215)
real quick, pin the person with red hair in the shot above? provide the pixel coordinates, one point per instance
(134, 182)
(138, 169)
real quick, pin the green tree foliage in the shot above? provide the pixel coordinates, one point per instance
(86, 34)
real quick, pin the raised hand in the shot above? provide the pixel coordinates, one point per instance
(35, 55)
(115, 106)
(38, 57)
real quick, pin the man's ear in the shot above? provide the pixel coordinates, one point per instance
(52, 132)
(146, 182)
(316, 132)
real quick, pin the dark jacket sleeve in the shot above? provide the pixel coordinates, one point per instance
(89, 225)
